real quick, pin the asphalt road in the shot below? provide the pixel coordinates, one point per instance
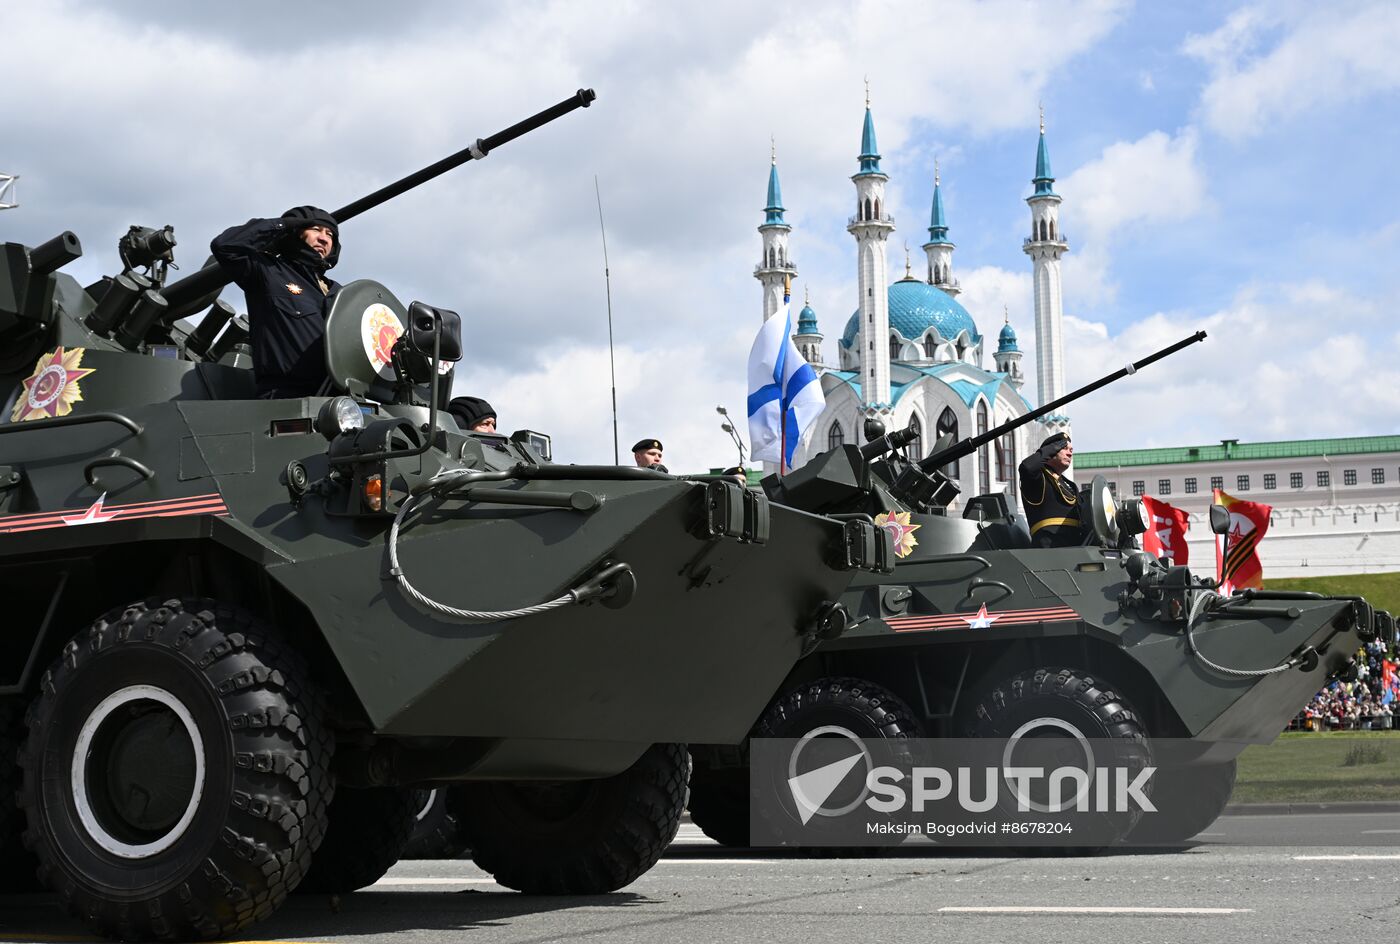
(1337, 874)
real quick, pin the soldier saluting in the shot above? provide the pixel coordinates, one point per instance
(1051, 500)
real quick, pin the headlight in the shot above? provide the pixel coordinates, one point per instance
(339, 415)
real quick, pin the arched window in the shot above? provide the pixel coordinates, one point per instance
(1052, 229)
(915, 449)
(865, 210)
(894, 347)
(877, 208)
(930, 346)
(1006, 461)
(835, 439)
(962, 348)
(948, 423)
(984, 469)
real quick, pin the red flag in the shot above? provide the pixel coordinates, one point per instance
(1166, 535)
(1239, 565)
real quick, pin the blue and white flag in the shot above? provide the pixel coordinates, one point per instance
(784, 395)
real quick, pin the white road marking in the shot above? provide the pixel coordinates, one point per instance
(1375, 832)
(1344, 858)
(397, 880)
(1088, 910)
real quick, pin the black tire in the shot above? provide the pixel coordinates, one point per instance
(1188, 800)
(1054, 701)
(846, 707)
(196, 707)
(436, 832)
(366, 835)
(17, 864)
(719, 805)
(584, 837)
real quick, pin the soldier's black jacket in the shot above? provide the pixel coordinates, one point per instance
(1051, 502)
(289, 297)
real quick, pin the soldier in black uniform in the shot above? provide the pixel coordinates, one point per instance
(647, 454)
(281, 266)
(473, 414)
(1050, 499)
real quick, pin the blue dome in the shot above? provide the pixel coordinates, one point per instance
(916, 306)
(1006, 341)
(807, 320)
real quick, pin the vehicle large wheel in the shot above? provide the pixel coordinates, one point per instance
(1188, 799)
(1092, 720)
(581, 837)
(837, 708)
(176, 772)
(719, 805)
(17, 864)
(436, 832)
(367, 832)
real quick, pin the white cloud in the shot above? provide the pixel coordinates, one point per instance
(1316, 55)
(1293, 362)
(1129, 186)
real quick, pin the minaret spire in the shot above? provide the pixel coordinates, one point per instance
(871, 226)
(939, 249)
(1045, 247)
(775, 267)
(1008, 354)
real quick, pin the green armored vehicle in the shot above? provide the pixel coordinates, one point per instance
(976, 633)
(240, 630)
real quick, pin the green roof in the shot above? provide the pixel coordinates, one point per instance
(1233, 449)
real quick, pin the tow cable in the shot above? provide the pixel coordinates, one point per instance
(595, 587)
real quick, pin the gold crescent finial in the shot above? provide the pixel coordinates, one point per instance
(935, 172)
(867, 91)
(1042, 117)
(773, 148)
(908, 270)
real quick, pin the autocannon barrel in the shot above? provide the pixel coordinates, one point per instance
(55, 254)
(192, 292)
(968, 446)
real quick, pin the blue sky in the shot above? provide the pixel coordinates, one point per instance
(1224, 166)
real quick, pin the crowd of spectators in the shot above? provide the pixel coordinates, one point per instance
(1358, 705)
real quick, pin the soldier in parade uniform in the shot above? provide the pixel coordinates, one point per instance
(473, 414)
(281, 266)
(647, 454)
(1051, 500)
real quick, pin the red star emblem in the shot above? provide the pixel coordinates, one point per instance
(980, 619)
(93, 515)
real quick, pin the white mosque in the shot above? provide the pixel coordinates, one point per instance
(911, 353)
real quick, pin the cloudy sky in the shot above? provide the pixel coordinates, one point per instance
(1223, 166)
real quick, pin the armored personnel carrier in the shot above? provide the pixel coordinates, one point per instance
(976, 633)
(239, 630)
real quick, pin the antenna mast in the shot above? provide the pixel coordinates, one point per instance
(607, 281)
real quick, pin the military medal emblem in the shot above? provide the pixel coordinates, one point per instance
(52, 389)
(901, 531)
(294, 288)
(379, 329)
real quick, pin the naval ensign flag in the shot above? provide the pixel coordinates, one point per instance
(784, 395)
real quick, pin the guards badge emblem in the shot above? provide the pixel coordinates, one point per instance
(900, 530)
(294, 288)
(52, 389)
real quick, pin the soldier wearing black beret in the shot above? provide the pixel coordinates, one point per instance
(1051, 500)
(473, 414)
(647, 454)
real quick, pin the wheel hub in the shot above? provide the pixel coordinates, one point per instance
(137, 771)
